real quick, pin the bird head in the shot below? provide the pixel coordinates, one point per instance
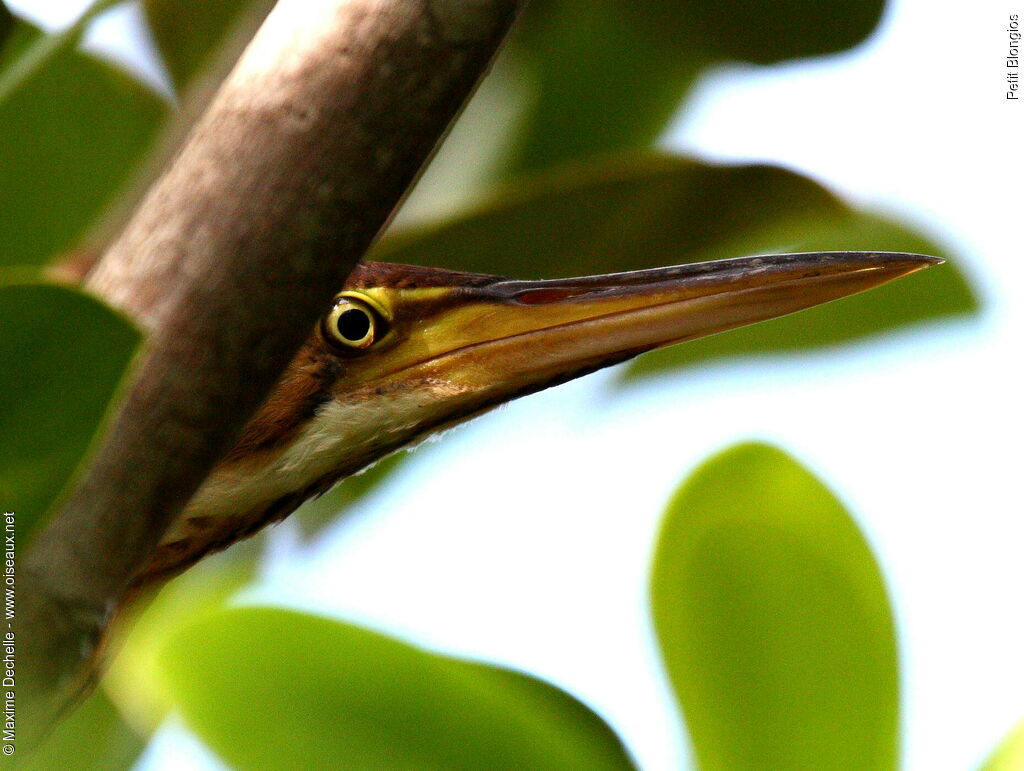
(407, 351)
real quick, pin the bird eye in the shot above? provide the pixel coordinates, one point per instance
(351, 324)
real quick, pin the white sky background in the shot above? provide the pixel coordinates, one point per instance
(525, 537)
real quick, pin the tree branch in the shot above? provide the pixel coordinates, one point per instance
(277, 192)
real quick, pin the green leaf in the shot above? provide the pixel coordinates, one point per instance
(19, 37)
(14, 41)
(93, 738)
(609, 76)
(134, 677)
(6, 25)
(1009, 755)
(62, 354)
(268, 688)
(73, 130)
(34, 50)
(642, 211)
(603, 78)
(191, 33)
(773, 620)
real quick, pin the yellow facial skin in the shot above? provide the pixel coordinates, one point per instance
(405, 352)
(504, 337)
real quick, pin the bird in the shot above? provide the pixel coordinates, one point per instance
(405, 352)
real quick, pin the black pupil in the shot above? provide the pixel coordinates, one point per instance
(354, 325)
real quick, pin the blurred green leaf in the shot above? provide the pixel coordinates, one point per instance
(609, 76)
(6, 24)
(133, 678)
(72, 131)
(18, 38)
(315, 515)
(13, 43)
(14, 40)
(1009, 755)
(62, 354)
(93, 738)
(190, 33)
(268, 688)
(34, 50)
(773, 620)
(643, 211)
(603, 79)
(631, 212)
(766, 31)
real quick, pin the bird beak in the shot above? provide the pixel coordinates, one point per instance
(514, 337)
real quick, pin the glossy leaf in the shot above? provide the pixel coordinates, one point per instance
(773, 620)
(266, 688)
(94, 737)
(609, 76)
(62, 354)
(73, 130)
(191, 33)
(1009, 755)
(649, 210)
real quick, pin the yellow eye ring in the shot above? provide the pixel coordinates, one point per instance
(352, 324)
